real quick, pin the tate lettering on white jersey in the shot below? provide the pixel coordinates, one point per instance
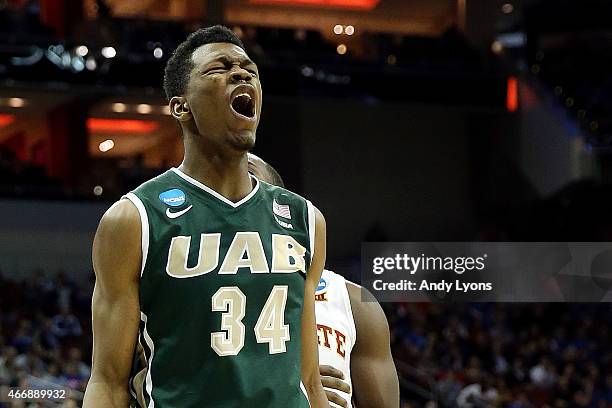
(335, 326)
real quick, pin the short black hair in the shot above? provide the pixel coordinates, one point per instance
(179, 66)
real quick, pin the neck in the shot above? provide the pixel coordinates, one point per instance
(225, 172)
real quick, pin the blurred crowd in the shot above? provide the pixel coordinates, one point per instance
(28, 178)
(510, 355)
(459, 355)
(23, 177)
(569, 53)
(45, 339)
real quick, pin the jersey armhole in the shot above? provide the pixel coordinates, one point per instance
(311, 228)
(144, 227)
(349, 310)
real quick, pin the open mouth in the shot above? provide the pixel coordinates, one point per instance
(244, 105)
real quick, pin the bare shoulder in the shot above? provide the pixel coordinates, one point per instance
(122, 213)
(319, 218)
(117, 243)
(359, 293)
(119, 226)
(319, 248)
(367, 312)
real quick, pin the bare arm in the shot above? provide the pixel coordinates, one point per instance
(115, 307)
(310, 350)
(373, 373)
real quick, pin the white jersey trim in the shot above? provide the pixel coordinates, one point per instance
(347, 303)
(305, 393)
(312, 226)
(144, 227)
(349, 311)
(213, 193)
(148, 380)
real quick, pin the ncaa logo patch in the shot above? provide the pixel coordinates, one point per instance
(322, 287)
(320, 293)
(173, 198)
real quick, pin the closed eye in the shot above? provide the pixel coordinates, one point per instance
(217, 67)
(227, 65)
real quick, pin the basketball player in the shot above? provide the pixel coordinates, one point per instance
(204, 273)
(354, 346)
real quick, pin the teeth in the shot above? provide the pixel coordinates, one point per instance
(243, 104)
(244, 94)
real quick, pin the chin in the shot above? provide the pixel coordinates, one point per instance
(242, 140)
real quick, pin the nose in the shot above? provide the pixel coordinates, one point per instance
(240, 74)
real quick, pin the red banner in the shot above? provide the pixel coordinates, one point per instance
(353, 4)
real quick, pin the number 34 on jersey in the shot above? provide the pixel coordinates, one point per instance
(245, 251)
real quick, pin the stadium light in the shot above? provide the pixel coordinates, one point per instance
(307, 71)
(341, 49)
(497, 47)
(119, 107)
(106, 145)
(16, 102)
(82, 50)
(77, 64)
(91, 64)
(338, 29)
(109, 52)
(144, 109)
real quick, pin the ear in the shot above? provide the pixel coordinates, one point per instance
(179, 108)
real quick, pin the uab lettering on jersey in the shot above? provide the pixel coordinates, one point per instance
(245, 251)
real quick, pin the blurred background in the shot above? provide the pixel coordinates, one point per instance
(402, 120)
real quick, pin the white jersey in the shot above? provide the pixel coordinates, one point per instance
(335, 326)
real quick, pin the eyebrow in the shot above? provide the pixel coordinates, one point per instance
(227, 59)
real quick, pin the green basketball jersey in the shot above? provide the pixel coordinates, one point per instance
(221, 295)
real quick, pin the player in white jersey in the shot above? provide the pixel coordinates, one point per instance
(336, 332)
(354, 344)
